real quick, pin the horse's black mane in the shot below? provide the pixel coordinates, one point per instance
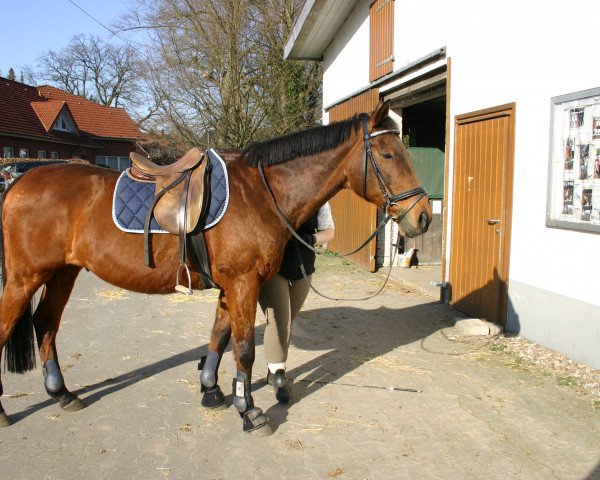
(306, 142)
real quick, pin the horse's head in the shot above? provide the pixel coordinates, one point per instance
(383, 174)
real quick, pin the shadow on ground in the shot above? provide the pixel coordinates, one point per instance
(350, 336)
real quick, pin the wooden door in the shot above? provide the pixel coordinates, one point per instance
(481, 212)
(355, 218)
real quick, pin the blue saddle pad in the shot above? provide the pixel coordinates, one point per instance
(132, 199)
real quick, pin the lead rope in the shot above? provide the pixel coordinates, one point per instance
(393, 252)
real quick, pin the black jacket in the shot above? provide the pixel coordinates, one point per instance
(290, 267)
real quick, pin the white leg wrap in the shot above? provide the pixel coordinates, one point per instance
(273, 367)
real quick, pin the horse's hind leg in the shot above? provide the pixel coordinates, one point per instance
(16, 335)
(47, 321)
(212, 396)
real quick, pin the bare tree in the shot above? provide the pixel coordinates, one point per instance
(94, 69)
(292, 89)
(217, 72)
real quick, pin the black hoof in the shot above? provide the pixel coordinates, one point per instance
(213, 398)
(68, 401)
(256, 422)
(4, 420)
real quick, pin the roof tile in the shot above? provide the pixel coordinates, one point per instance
(94, 119)
(47, 111)
(28, 110)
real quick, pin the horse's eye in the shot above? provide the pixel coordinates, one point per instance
(386, 155)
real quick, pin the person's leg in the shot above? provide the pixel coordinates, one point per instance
(274, 300)
(281, 302)
(298, 292)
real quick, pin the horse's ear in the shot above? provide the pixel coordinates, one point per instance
(381, 112)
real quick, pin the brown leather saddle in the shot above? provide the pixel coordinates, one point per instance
(178, 199)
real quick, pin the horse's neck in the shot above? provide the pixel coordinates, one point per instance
(303, 185)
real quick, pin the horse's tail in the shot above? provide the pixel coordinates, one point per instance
(19, 351)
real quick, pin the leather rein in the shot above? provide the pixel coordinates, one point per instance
(390, 200)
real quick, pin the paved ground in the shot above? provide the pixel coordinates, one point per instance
(384, 389)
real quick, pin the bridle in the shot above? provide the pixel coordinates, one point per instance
(386, 191)
(391, 199)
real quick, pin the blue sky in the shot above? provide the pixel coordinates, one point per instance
(31, 27)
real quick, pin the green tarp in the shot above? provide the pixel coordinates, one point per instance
(429, 165)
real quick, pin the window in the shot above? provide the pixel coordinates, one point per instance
(381, 22)
(116, 163)
(54, 155)
(62, 124)
(9, 152)
(23, 153)
(41, 153)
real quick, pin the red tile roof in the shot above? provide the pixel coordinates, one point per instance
(31, 111)
(16, 114)
(94, 119)
(47, 111)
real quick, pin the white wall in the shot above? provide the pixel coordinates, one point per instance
(524, 55)
(346, 60)
(501, 53)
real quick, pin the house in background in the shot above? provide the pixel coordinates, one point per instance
(46, 122)
(510, 94)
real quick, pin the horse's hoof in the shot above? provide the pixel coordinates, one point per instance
(4, 420)
(256, 422)
(74, 405)
(213, 399)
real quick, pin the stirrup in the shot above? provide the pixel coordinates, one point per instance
(182, 288)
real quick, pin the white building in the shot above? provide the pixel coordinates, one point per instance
(513, 91)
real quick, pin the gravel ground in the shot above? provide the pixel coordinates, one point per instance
(548, 363)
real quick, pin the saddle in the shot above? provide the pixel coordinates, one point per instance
(178, 200)
(179, 189)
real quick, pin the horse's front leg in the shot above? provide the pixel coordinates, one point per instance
(242, 297)
(212, 396)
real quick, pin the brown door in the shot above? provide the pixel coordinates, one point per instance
(481, 212)
(355, 218)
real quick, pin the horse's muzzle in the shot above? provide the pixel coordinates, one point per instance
(415, 225)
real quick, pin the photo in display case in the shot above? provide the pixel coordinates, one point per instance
(574, 170)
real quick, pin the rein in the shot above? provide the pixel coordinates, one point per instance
(390, 200)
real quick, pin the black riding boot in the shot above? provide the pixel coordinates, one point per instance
(283, 391)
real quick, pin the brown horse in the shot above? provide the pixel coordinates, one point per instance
(57, 220)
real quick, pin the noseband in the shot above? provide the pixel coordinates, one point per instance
(386, 191)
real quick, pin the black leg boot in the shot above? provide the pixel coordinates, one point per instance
(212, 396)
(253, 418)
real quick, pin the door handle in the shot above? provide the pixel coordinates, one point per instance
(493, 221)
